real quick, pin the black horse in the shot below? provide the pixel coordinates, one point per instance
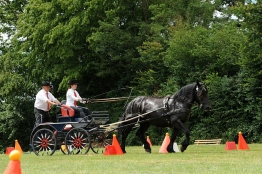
(171, 111)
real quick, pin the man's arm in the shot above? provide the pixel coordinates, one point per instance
(57, 102)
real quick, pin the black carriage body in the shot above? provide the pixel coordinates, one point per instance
(70, 134)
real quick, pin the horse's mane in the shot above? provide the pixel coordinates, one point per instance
(185, 93)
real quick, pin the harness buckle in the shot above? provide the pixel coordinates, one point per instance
(166, 107)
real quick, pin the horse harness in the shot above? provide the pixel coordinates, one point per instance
(168, 113)
(174, 111)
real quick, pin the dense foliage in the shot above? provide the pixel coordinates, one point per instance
(155, 47)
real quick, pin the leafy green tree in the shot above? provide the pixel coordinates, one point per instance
(154, 46)
(251, 62)
(211, 53)
(251, 58)
(15, 103)
(195, 53)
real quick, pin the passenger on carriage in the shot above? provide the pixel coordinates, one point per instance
(44, 99)
(72, 97)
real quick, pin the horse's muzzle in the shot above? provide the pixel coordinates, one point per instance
(208, 108)
(205, 108)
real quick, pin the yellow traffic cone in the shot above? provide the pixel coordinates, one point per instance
(14, 165)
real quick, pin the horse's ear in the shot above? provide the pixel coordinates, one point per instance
(197, 82)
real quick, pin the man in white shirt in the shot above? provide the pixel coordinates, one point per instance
(44, 99)
(72, 97)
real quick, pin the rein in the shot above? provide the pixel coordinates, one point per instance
(104, 100)
(111, 127)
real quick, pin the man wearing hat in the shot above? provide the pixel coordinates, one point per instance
(72, 97)
(44, 99)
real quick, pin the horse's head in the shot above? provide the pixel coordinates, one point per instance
(201, 96)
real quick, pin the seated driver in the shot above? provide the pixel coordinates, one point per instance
(72, 97)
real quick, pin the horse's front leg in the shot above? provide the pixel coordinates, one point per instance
(175, 132)
(141, 135)
(182, 127)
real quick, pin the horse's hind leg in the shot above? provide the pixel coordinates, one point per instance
(141, 135)
(125, 133)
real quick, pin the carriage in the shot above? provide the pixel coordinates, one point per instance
(70, 134)
(79, 135)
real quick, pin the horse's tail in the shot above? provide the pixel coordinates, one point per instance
(123, 117)
(130, 110)
(120, 125)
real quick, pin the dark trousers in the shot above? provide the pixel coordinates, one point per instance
(80, 111)
(41, 116)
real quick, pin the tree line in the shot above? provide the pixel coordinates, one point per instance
(155, 47)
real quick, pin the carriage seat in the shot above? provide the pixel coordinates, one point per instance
(67, 113)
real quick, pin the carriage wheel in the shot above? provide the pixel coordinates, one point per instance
(77, 141)
(44, 142)
(99, 142)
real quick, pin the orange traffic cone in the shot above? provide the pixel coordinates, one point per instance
(148, 140)
(18, 147)
(14, 165)
(230, 145)
(9, 150)
(116, 145)
(110, 150)
(242, 145)
(165, 144)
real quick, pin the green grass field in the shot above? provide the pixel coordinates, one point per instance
(196, 159)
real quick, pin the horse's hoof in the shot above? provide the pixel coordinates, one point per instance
(170, 150)
(148, 150)
(182, 149)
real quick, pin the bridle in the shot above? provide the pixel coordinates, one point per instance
(199, 96)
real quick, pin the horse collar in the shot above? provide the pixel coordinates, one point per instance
(166, 103)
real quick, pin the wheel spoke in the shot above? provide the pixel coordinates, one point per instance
(43, 142)
(77, 141)
(98, 142)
